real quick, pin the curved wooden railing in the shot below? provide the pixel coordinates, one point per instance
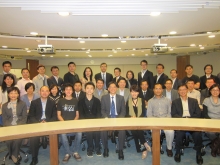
(155, 124)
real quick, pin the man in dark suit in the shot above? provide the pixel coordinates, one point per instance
(78, 93)
(146, 94)
(160, 77)
(42, 110)
(107, 77)
(205, 92)
(176, 81)
(113, 106)
(186, 107)
(55, 79)
(145, 75)
(118, 77)
(6, 67)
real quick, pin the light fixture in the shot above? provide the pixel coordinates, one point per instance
(104, 35)
(146, 54)
(109, 55)
(115, 52)
(132, 54)
(34, 33)
(172, 32)
(155, 13)
(209, 32)
(123, 41)
(38, 40)
(4, 46)
(87, 52)
(202, 47)
(26, 48)
(171, 49)
(66, 55)
(28, 51)
(64, 14)
(134, 49)
(83, 48)
(212, 36)
(43, 55)
(90, 55)
(118, 48)
(192, 44)
(51, 56)
(82, 42)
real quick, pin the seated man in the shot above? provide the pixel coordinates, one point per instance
(205, 92)
(42, 110)
(113, 106)
(186, 107)
(159, 106)
(78, 93)
(168, 92)
(67, 109)
(100, 91)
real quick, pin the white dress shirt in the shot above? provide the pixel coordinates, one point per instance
(185, 108)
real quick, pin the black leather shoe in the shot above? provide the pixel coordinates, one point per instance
(199, 159)
(177, 158)
(169, 153)
(105, 153)
(120, 155)
(34, 161)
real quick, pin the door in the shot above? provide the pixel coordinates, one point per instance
(32, 66)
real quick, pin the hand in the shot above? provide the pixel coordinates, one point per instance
(146, 103)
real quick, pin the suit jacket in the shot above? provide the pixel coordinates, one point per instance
(174, 94)
(106, 106)
(193, 106)
(95, 112)
(114, 79)
(35, 112)
(81, 95)
(51, 80)
(2, 76)
(127, 94)
(103, 92)
(161, 80)
(148, 75)
(132, 82)
(177, 83)
(108, 78)
(147, 97)
(204, 94)
(203, 80)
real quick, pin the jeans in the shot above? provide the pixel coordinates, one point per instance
(77, 141)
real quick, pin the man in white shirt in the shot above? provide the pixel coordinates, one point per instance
(22, 82)
(192, 92)
(6, 67)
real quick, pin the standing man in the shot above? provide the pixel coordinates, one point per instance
(160, 77)
(6, 67)
(100, 91)
(118, 77)
(159, 106)
(107, 77)
(71, 77)
(186, 107)
(78, 93)
(192, 92)
(113, 106)
(176, 81)
(170, 93)
(22, 82)
(42, 110)
(67, 109)
(145, 75)
(55, 79)
(41, 79)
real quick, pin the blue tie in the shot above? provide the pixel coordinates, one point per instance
(113, 108)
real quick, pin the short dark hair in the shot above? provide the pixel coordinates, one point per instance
(68, 85)
(120, 79)
(207, 66)
(188, 66)
(54, 67)
(210, 78)
(158, 84)
(190, 80)
(112, 82)
(25, 69)
(39, 66)
(213, 86)
(4, 85)
(143, 81)
(160, 65)
(78, 82)
(144, 61)
(131, 73)
(182, 85)
(169, 80)
(52, 86)
(71, 63)
(6, 62)
(117, 69)
(173, 70)
(13, 88)
(100, 79)
(89, 83)
(103, 64)
(28, 85)
(134, 88)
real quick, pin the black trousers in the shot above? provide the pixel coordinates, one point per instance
(14, 147)
(197, 138)
(90, 136)
(138, 135)
(34, 146)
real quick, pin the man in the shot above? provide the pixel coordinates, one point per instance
(117, 72)
(90, 108)
(100, 91)
(78, 93)
(176, 81)
(205, 92)
(6, 67)
(186, 107)
(160, 77)
(107, 77)
(189, 74)
(22, 82)
(55, 79)
(145, 75)
(41, 79)
(71, 77)
(42, 110)
(113, 106)
(192, 92)
(145, 94)
(168, 92)
(67, 109)
(159, 106)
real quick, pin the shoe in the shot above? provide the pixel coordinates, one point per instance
(169, 153)
(144, 155)
(199, 159)
(66, 158)
(120, 155)
(177, 158)
(98, 152)
(19, 158)
(89, 153)
(77, 157)
(105, 153)
(34, 161)
(148, 148)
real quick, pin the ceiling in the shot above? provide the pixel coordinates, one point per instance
(127, 20)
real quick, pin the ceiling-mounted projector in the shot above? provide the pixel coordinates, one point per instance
(46, 49)
(159, 48)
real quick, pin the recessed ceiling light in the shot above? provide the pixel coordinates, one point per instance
(155, 13)
(172, 32)
(82, 42)
(118, 48)
(51, 56)
(26, 48)
(87, 52)
(68, 50)
(28, 51)
(132, 54)
(109, 55)
(90, 55)
(115, 51)
(4, 46)
(64, 14)
(171, 49)
(146, 54)
(79, 38)
(83, 48)
(202, 47)
(43, 55)
(134, 49)
(104, 35)
(123, 41)
(66, 55)
(38, 40)
(211, 36)
(209, 32)
(192, 44)
(34, 33)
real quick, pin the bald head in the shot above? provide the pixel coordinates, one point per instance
(44, 92)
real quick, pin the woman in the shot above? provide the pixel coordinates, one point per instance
(14, 112)
(134, 109)
(87, 77)
(122, 90)
(54, 93)
(130, 79)
(211, 110)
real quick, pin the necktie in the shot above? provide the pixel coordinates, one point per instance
(44, 83)
(77, 96)
(113, 108)
(144, 94)
(103, 77)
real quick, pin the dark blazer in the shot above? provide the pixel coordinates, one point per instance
(106, 106)
(84, 113)
(35, 112)
(114, 79)
(108, 78)
(204, 94)
(51, 80)
(177, 83)
(161, 80)
(81, 95)
(148, 75)
(203, 80)
(132, 82)
(177, 108)
(147, 97)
